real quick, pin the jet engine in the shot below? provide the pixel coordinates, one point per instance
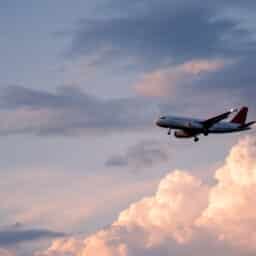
(182, 134)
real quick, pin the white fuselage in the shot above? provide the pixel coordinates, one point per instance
(182, 123)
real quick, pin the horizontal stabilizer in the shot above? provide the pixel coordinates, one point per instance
(249, 124)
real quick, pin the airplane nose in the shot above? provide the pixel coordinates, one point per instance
(157, 122)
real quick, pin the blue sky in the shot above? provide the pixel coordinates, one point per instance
(81, 85)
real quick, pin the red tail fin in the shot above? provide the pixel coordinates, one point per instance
(240, 118)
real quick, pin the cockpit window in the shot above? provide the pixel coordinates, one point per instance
(162, 117)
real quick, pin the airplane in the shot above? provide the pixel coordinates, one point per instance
(192, 128)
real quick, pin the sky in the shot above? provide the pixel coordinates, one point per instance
(84, 170)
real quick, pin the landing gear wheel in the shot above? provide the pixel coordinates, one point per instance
(196, 139)
(169, 131)
(206, 132)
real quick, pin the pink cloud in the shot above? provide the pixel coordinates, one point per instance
(161, 216)
(4, 252)
(183, 212)
(164, 81)
(231, 212)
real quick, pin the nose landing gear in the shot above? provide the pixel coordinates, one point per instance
(169, 131)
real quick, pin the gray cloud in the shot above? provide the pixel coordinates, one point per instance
(70, 111)
(156, 33)
(232, 85)
(145, 154)
(15, 235)
(239, 75)
(160, 33)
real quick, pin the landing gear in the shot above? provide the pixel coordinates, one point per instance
(206, 132)
(196, 139)
(169, 131)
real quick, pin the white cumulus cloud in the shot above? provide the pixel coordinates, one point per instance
(184, 217)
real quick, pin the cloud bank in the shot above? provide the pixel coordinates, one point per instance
(155, 33)
(69, 111)
(163, 37)
(184, 216)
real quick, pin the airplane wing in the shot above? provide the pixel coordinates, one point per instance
(210, 122)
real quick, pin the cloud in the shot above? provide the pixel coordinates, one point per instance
(4, 252)
(160, 215)
(158, 38)
(144, 154)
(238, 77)
(69, 111)
(162, 36)
(64, 246)
(196, 84)
(164, 82)
(185, 216)
(156, 33)
(13, 236)
(231, 210)
(66, 208)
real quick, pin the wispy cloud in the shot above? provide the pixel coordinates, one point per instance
(69, 111)
(164, 82)
(144, 154)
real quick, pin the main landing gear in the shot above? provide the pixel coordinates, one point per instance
(196, 139)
